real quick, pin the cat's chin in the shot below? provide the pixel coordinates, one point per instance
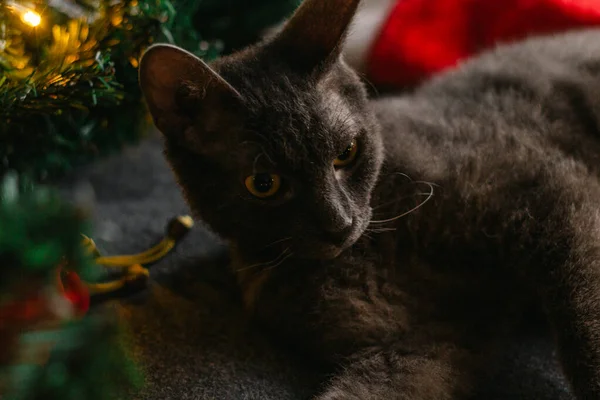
(331, 252)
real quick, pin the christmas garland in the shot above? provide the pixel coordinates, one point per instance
(64, 67)
(52, 346)
(49, 348)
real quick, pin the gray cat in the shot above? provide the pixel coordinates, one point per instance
(399, 240)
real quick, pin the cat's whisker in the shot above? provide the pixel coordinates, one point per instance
(280, 262)
(368, 236)
(399, 199)
(380, 230)
(278, 241)
(377, 232)
(409, 211)
(404, 175)
(266, 263)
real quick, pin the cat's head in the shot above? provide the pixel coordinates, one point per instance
(275, 143)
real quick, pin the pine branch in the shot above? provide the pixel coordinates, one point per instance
(52, 93)
(61, 83)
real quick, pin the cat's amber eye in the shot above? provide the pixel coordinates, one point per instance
(263, 185)
(347, 157)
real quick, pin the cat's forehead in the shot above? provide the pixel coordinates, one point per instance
(298, 119)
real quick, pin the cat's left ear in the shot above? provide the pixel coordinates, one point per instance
(179, 87)
(313, 37)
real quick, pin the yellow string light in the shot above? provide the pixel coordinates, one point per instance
(31, 18)
(28, 15)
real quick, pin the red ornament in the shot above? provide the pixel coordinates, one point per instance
(32, 306)
(75, 291)
(32, 309)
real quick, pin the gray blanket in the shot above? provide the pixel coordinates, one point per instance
(191, 337)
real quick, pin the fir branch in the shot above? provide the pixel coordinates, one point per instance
(60, 90)
(53, 93)
(61, 106)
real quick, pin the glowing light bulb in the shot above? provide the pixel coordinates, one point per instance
(31, 18)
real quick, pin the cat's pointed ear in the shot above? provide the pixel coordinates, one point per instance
(312, 38)
(178, 86)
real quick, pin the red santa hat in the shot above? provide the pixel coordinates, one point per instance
(398, 43)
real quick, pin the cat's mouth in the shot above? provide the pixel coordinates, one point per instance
(327, 250)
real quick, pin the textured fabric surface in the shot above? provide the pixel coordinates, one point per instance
(190, 334)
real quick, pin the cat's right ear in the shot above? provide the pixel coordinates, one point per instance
(178, 87)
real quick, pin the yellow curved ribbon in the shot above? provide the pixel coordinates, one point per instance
(133, 264)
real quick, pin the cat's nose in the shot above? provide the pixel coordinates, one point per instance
(339, 232)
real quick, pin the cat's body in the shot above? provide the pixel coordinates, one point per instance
(471, 202)
(462, 269)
